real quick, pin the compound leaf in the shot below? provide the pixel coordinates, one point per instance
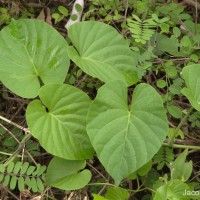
(58, 121)
(102, 52)
(31, 53)
(125, 138)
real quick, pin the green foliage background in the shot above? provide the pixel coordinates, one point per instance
(114, 101)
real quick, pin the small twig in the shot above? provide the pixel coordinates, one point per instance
(101, 184)
(10, 154)
(21, 146)
(17, 99)
(26, 130)
(31, 5)
(10, 133)
(126, 10)
(196, 17)
(184, 27)
(182, 103)
(43, 193)
(173, 60)
(81, 80)
(103, 188)
(192, 3)
(98, 172)
(13, 195)
(30, 156)
(18, 110)
(70, 196)
(187, 141)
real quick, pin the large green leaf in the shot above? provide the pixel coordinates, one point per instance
(191, 75)
(102, 52)
(124, 137)
(64, 174)
(58, 121)
(31, 53)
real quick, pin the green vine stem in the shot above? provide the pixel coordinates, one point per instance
(182, 122)
(112, 185)
(182, 146)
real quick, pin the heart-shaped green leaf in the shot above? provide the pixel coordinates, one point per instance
(102, 52)
(125, 138)
(65, 175)
(58, 121)
(191, 75)
(31, 53)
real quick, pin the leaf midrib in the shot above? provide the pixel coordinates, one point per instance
(125, 136)
(33, 64)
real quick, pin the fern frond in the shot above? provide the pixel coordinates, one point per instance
(22, 174)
